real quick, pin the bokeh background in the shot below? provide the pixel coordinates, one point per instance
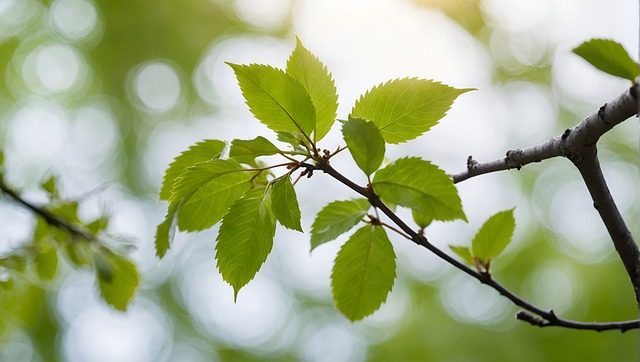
(103, 94)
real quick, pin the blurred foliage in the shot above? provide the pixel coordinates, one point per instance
(130, 33)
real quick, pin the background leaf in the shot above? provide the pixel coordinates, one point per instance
(200, 152)
(404, 109)
(244, 151)
(47, 263)
(285, 203)
(336, 219)
(419, 185)
(165, 232)
(608, 56)
(118, 289)
(276, 98)
(494, 236)
(363, 273)
(365, 143)
(245, 238)
(464, 252)
(316, 79)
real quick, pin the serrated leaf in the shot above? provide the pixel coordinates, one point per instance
(165, 232)
(336, 219)
(464, 252)
(47, 263)
(494, 236)
(316, 79)
(363, 273)
(365, 143)
(276, 99)
(285, 204)
(245, 238)
(244, 151)
(118, 288)
(608, 56)
(200, 152)
(404, 109)
(204, 192)
(421, 186)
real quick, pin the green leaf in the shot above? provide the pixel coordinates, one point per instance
(365, 143)
(464, 252)
(200, 152)
(404, 109)
(165, 233)
(245, 238)
(285, 204)
(78, 253)
(205, 191)
(363, 273)
(494, 236)
(421, 186)
(244, 151)
(47, 263)
(608, 56)
(316, 79)
(98, 225)
(49, 185)
(336, 219)
(276, 98)
(118, 283)
(421, 219)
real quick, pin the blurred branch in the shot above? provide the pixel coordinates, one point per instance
(578, 144)
(539, 317)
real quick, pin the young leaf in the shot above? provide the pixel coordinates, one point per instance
(336, 219)
(363, 273)
(205, 191)
(494, 236)
(244, 151)
(245, 238)
(421, 186)
(316, 79)
(421, 219)
(404, 109)
(49, 185)
(285, 204)
(165, 232)
(365, 143)
(608, 56)
(47, 263)
(464, 252)
(200, 152)
(277, 99)
(118, 287)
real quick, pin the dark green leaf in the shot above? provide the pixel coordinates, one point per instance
(285, 203)
(276, 98)
(608, 56)
(363, 273)
(464, 252)
(421, 186)
(165, 233)
(245, 238)
(404, 109)
(316, 79)
(365, 143)
(200, 152)
(47, 263)
(494, 236)
(336, 219)
(244, 151)
(117, 280)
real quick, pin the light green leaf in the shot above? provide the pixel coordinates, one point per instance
(365, 143)
(421, 219)
(421, 186)
(404, 109)
(165, 232)
(363, 273)
(494, 236)
(49, 185)
(285, 203)
(204, 192)
(47, 263)
(118, 288)
(200, 152)
(244, 151)
(246, 238)
(277, 99)
(464, 252)
(608, 56)
(316, 79)
(336, 219)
